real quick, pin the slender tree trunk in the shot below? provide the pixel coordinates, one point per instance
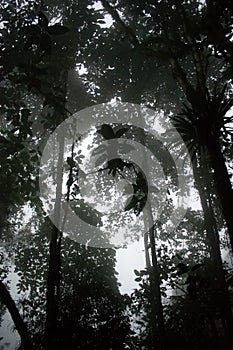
(17, 319)
(222, 183)
(133, 95)
(157, 328)
(158, 336)
(73, 86)
(53, 278)
(4, 208)
(52, 291)
(158, 332)
(147, 253)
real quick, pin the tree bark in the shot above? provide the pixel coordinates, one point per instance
(203, 180)
(73, 87)
(159, 332)
(53, 278)
(133, 95)
(222, 183)
(52, 290)
(221, 176)
(17, 319)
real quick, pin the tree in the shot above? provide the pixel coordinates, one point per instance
(173, 51)
(38, 71)
(91, 310)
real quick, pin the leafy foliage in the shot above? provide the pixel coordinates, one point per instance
(144, 56)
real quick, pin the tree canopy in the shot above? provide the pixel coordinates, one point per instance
(173, 57)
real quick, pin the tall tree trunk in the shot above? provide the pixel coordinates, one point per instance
(159, 338)
(157, 318)
(53, 277)
(203, 180)
(222, 183)
(221, 177)
(73, 87)
(147, 253)
(133, 95)
(17, 319)
(52, 290)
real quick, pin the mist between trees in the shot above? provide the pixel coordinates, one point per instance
(60, 58)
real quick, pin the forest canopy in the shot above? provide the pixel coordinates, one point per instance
(119, 112)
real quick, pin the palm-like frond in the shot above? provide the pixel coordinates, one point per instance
(196, 125)
(186, 124)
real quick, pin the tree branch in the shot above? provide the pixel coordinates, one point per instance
(181, 79)
(17, 319)
(198, 62)
(178, 72)
(126, 29)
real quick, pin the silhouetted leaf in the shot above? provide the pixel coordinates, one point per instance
(116, 164)
(121, 132)
(70, 162)
(142, 182)
(33, 29)
(182, 268)
(131, 203)
(45, 44)
(195, 267)
(106, 131)
(42, 20)
(137, 273)
(192, 287)
(58, 29)
(77, 189)
(69, 181)
(32, 40)
(138, 279)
